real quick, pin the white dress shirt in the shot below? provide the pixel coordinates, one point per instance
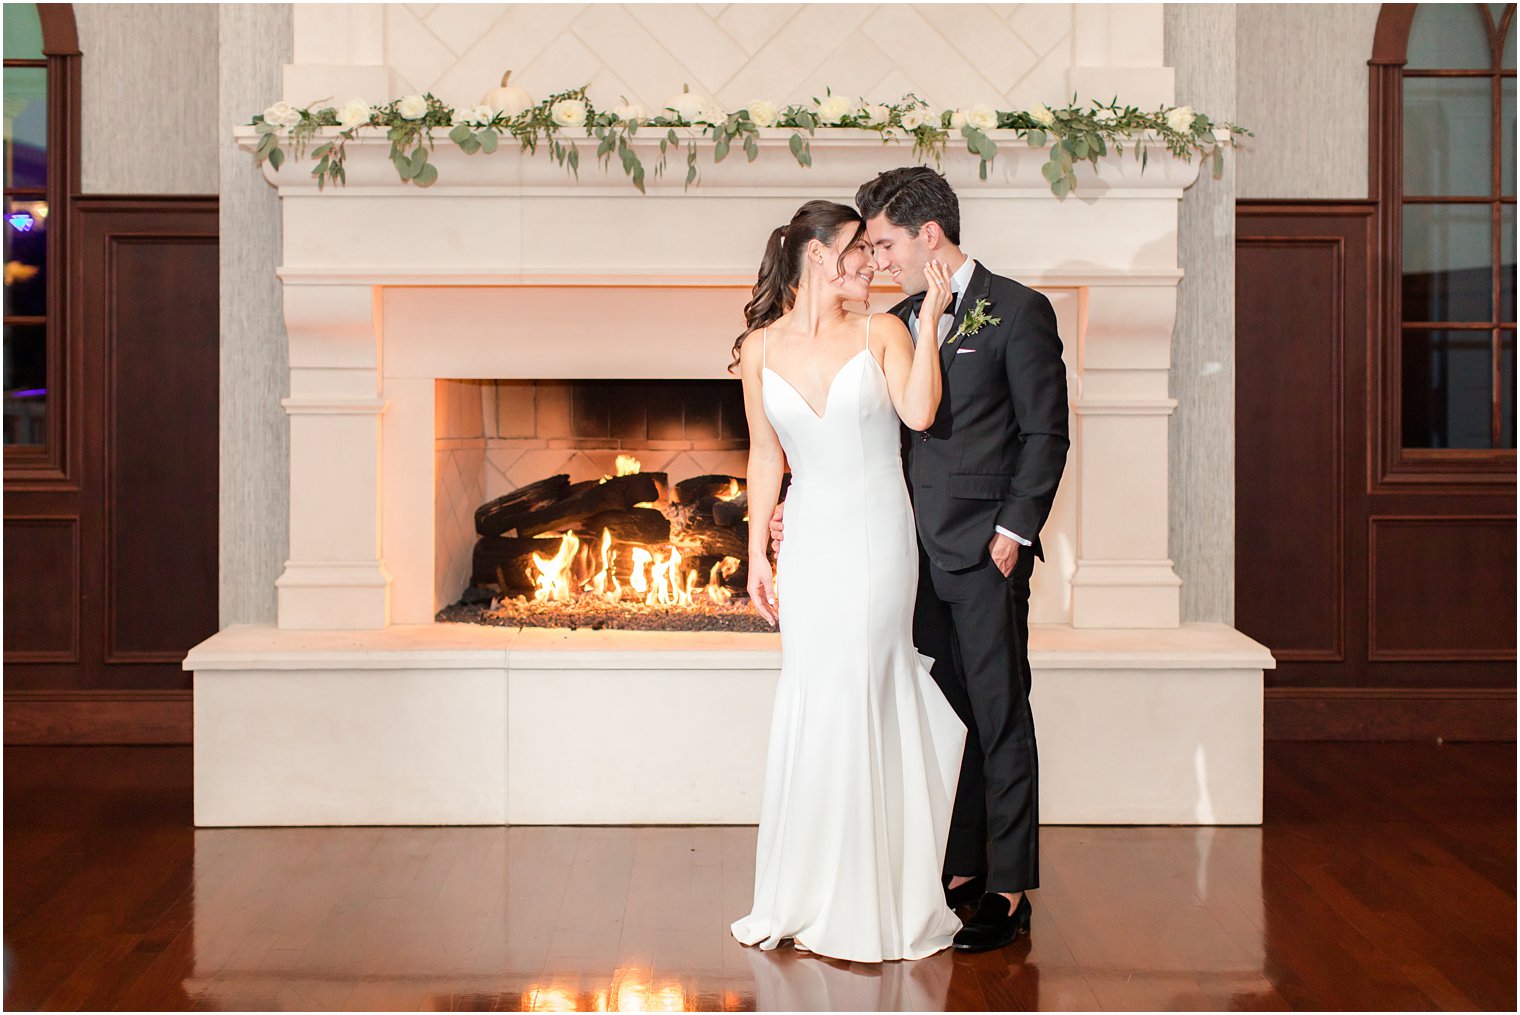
(958, 283)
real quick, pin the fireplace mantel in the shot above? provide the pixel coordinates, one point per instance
(389, 287)
(840, 156)
(508, 268)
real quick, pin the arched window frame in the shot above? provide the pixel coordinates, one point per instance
(1393, 465)
(55, 462)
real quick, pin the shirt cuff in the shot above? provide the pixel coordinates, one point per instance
(1014, 536)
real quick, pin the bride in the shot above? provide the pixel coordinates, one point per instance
(864, 750)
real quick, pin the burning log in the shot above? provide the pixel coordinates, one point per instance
(636, 525)
(731, 512)
(496, 517)
(620, 493)
(512, 558)
(725, 487)
(699, 534)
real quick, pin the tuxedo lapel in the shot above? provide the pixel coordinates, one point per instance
(977, 288)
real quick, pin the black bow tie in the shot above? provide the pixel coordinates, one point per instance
(917, 300)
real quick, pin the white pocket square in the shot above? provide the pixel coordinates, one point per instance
(962, 352)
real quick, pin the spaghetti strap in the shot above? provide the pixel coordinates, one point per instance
(764, 333)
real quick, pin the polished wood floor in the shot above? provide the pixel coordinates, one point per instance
(1383, 878)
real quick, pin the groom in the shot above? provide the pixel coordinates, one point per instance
(983, 477)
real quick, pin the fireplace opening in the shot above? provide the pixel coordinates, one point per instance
(602, 504)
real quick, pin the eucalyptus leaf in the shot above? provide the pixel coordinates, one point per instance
(276, 157)
(720, 148)
(487, 139)
(796, 145)
(426, 176)
(1060, 188)
(1036, 138)
(469, 145)
(459, 133)
(751, 149)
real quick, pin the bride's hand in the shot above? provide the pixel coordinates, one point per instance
(936, 296)
(762, 588)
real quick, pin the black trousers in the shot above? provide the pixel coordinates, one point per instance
(975, 624)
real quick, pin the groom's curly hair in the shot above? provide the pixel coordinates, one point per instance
(910, 197)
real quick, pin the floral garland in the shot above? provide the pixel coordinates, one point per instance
(1079, 134)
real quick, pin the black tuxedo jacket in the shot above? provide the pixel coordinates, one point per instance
(995, 452)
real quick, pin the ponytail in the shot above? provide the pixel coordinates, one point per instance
(772, 294)
(781, 266)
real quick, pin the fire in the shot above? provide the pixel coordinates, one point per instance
(658, 576)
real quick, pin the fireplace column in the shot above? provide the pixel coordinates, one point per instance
(334, 578)
(1123, 576)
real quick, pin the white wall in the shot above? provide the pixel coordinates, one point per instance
(255, 40)
(1200, 45)
(1302, 81)
(148, 116)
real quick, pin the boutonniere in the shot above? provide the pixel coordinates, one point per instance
(974, 320)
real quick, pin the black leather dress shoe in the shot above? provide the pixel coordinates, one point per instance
(966, 893)
(994, 925)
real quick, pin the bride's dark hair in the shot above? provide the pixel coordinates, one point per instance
(781, 267)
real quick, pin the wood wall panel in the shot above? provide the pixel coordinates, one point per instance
(160, 344)
(1289, 349)
(42, 589)
(141, 507)
(1417, 581)
(1441, 588)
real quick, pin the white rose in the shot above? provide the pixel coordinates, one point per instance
(712, 113)
(282, 114)
(833, 108)
(412, 107)
(982, 117)
(1042, 115)
(913, 118)
(875, 112)
(353, 113)
(476, 116)
(1181, 119)
(763, 113)
(957, 119)
(568, 112)
(630, 112)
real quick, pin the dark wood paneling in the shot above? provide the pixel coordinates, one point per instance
(1441, 588)
(160, 345)
(1390, 713)
(99, 717)
(1290, 316)
(142, 484)
(41, 589)
(1437, 659)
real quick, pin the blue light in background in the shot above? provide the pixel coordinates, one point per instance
(20, 221)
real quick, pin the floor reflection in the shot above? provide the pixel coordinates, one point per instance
(635, 919)
(787, 981)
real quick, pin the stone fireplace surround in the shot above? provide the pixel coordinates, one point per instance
(357, 709)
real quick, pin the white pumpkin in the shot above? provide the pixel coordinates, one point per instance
(689, 104)
(509, 100)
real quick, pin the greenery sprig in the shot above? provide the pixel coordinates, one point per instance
(1074, 134)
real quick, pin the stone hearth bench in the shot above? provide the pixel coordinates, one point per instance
(447, 724)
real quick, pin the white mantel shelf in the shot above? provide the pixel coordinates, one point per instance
(840, 157)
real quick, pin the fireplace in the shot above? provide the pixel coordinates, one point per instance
(593, 503)
(432, 332)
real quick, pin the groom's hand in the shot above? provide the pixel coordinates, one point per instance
(1005, 553)
(776, 527)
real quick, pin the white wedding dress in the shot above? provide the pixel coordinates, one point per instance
(864, 751)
